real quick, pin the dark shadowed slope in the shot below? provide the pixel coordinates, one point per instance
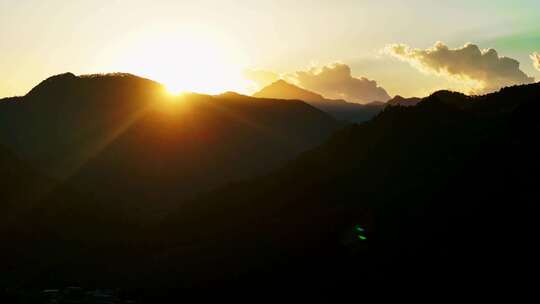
(122, 137)
(445, 192)
(20, 183)
(339, 109)
(43, 226)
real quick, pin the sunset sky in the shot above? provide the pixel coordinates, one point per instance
(339, 48)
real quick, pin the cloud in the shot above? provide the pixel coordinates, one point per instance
(482, 71)
(336, 81)
(536, 60)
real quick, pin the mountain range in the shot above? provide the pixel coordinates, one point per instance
(339, 109)
(111, 181)
(442, 192)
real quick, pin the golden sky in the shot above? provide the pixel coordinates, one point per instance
(341, 48)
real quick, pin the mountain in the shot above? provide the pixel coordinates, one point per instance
(339, 109)
(439, 193)
(65, 117)
(124, 139)
(432, 195)
(284, 90)
(404, 102)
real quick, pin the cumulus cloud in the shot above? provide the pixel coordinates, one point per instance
(536, 60)
(335, 81)
(482, 71)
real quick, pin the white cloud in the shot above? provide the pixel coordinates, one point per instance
(335, 81)
(482, 71)
(536, 60)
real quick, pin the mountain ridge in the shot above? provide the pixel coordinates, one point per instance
(281, 89)
(339, 109)
(379, 202)
(76, 128)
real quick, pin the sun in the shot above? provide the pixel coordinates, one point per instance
(174, 89)
(188, 60)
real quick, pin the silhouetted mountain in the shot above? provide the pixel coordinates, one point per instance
(122, 137)
(375, 103)
(443, 192)
(284, 90)
(66, 117)
(405, 102)
(339, 109)
(438, 193)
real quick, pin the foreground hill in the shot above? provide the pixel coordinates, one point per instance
(339, 109)
(122, 138)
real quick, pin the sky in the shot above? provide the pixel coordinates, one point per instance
(353, 49)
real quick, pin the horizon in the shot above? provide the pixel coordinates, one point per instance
(174, 93)
(213, 47)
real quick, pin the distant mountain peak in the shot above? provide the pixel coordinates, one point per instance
(445, 94)
(375, 104)
(339, 109)
(230, 94)
(281, 89)
(281, 81)
(404, 102)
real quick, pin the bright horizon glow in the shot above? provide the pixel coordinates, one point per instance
(204, 46)
(189, 60)
(175, 90)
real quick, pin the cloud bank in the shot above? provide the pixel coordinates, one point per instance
(335, 81)
(536, 60)
(482, 71)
